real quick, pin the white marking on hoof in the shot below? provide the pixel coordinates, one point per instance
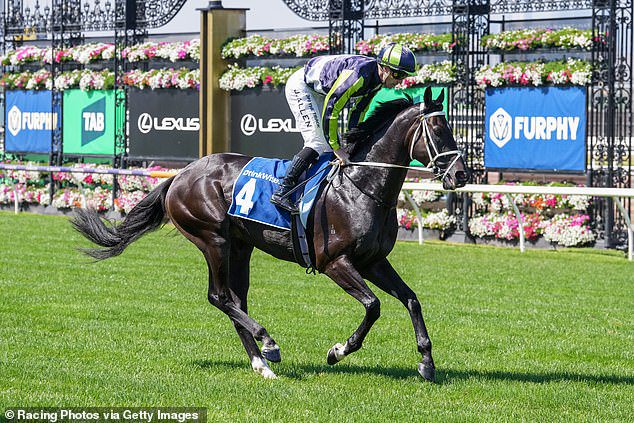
(339, 354)
(259, 366)
(336, 354)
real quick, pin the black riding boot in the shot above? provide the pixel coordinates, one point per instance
(300, 163)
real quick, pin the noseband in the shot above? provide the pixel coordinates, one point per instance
(430, 145)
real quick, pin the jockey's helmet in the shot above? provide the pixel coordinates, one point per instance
(398, 58)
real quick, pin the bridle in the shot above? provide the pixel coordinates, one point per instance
(430, 145)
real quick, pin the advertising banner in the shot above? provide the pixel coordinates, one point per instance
(535, 128)
(387, 94)
(164, 124)
(262, 124)
(30, 121)
(89, 119)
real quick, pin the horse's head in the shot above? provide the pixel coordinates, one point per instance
(430, 140)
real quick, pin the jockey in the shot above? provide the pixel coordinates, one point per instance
(319, 92)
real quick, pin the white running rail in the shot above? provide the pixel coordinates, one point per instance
(615, 193)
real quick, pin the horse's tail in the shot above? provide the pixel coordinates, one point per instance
(146, 216)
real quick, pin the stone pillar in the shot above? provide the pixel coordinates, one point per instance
(217, 24)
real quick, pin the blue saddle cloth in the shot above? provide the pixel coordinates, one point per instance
(258, 180)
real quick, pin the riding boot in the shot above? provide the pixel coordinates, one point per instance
(300, 163)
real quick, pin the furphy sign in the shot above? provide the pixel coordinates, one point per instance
(30, 121)
(503, 127)
(89, 119)
(160, 132)
(262, 124)
(535, 128)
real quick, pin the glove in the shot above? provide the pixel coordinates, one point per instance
(343, 157)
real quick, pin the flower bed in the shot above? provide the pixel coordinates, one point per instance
(75, 189)
(542, 203)
(87, 79)
(441, 220)
(38, 80)
(565, 72)
(417, 42)
(529, 39)
(237, 78)
(438, 73)
(163, 78)
(256, 45)
(95, 52)
(558, 219)
(177, 51)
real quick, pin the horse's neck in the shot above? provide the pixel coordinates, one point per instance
(384, 183)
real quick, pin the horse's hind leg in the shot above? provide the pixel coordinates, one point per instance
(383, 275)
(220, 295)
(346, 276)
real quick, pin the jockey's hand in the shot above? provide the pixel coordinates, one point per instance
(342, 156)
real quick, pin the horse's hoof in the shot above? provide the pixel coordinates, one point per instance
(272, 354)
(335, 354)
(268, 374)
(260, 366)
(427, 372)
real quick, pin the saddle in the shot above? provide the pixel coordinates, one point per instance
(252, 191)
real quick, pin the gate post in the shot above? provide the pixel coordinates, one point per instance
(610, 110)
(217, 24)
(470, 23)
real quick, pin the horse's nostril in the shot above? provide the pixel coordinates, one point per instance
(462, 176)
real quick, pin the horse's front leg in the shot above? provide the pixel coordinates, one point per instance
(346, 276)
(383, 275)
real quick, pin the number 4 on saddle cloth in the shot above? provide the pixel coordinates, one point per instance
(256, 183)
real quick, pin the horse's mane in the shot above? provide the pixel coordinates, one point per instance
(383, 114)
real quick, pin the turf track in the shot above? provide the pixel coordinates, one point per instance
(545, 335)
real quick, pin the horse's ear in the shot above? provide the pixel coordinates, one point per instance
(427, 97)
(441, 97)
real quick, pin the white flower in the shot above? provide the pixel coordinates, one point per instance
(441, 220)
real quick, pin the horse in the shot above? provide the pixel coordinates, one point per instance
(353, 224)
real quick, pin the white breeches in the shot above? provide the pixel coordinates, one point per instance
(307, 106)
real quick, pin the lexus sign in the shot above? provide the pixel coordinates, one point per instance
(164, 124)
(147, 123)
(262, 124)
(249, 125)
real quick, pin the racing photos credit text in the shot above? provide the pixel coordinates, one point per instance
(104, 414)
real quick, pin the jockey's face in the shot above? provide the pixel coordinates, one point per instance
(387, 77)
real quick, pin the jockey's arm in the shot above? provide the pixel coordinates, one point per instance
(347, 84)
(360, 109)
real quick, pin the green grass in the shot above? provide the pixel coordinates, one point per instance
(540, 336)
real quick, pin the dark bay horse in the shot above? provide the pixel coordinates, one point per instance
(353, 223)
